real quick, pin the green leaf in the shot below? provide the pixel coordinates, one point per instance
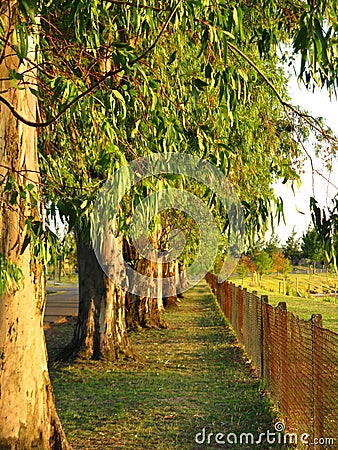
(120, 97)
(13, 199)
(200, 84)
(235, 18)
(14, 75)
(25, 244)
(195, 95)
(29, 8)
(10, 274)
(208, 71)
(240, 23)
(225, 50)
(172, 57)
(302, 39)
(20, 41)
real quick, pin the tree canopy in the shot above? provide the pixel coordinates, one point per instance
(111, 81)
(291, 248)
(117, 80)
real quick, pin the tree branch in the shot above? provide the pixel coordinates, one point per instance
(312, 121)
(109, 74)
(121, 2)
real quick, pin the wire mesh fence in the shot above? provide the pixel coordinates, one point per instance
(298, 360)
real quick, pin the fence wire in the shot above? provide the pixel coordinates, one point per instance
(298, 360)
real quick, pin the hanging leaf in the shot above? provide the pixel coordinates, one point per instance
(29, 8)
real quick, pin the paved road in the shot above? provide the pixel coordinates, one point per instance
(62, 301)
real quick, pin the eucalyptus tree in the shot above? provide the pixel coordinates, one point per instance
(28, 417)
(197, 92)
(324, 236)
(106, 63)
(263, 262)
(239, 148)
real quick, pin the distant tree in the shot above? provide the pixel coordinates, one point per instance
(280, 263)
(248, 262)
(69, 251)
(292, 249)
(273, 245)
(243, 267)
(263, 263)
(311, 247)
(256, 248)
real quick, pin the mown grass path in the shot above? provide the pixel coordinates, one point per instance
(186, 378)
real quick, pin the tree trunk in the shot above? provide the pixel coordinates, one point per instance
(145, 311)
(100, 331)
(170, 270)
(28, 418)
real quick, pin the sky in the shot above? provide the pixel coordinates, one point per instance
(296, 204)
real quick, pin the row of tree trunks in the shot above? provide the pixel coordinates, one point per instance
(106, 311)
(145, 311)
(171, 269)
(100, 331)
(28, 418)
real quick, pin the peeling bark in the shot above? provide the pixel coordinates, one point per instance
(144, 311)
(170, 270)
(100, 331)
(28, 418)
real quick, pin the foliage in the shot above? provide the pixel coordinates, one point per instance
(242, 269)
(325, 232)
(257, 247)
(172, 109)
(118, 80)
(69, 249)
(280, 263)
(10, 274)
(263, 263)
(65, 253)
(246, 265)
(292, 249)
(273, 245)
(312, 246)
(23, 194)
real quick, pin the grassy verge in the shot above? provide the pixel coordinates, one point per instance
(70, 279)
(189, 377)
(305, 284)
(302, 307)
(305, 307)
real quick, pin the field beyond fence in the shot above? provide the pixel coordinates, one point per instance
(298, 360)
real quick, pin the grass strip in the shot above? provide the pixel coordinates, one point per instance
(303, 307)
(186, 379)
